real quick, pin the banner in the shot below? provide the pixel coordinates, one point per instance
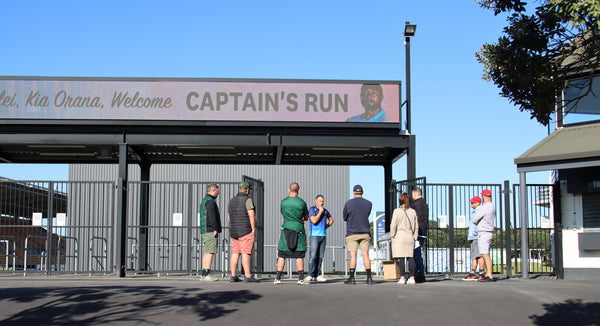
(379, 225)
(191, 100)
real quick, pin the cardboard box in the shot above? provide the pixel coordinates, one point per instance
(391, 270)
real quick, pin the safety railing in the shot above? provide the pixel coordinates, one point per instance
(8, 254)
(74, 256)
(100, 257)
(133, 254)
(41, 255)
(163, 253)
(197, 254)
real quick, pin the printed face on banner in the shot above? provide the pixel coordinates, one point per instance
(199, 100)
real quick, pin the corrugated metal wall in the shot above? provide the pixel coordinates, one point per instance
(330, 181)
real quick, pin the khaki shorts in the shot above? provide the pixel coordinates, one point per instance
(356, 240)
(210, 243)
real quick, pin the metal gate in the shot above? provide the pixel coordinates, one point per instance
(257, 193)
(163, 233)
(56, 227)
(447, 248)
(540, 229)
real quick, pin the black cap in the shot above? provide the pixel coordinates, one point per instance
(358, 189)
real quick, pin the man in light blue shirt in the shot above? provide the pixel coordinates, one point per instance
(475, 255)
(319, 220)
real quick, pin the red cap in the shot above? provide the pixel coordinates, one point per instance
(486, 193)
(475, 199)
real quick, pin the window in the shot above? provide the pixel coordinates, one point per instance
(591, 210)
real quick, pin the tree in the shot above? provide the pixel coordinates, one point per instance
(538, 53)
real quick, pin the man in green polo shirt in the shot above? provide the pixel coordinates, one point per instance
(210, 227)
(292, 239)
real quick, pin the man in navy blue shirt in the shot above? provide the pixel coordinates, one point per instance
(358, 232)
(319, 220)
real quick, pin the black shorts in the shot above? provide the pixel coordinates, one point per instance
(290, 254)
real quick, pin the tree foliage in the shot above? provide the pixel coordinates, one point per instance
(539, 52)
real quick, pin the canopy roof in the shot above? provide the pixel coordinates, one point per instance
(202, 142)
(573, 146)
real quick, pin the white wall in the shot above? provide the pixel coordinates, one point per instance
(572, 220)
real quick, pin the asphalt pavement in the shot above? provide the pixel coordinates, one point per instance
(185, 300)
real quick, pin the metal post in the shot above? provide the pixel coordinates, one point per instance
(143, 231)
(408, 107)
(189, 230)
(411, 159)
(387, 176)
(507, 227)
(524, 232)
(49, 233)
(451, 229)
(121, 243)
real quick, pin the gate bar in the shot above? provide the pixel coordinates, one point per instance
(524, 232)
(507, 228)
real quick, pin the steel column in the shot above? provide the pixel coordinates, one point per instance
(121, 227)
(507, 227)
(389, 188)
(143, 231)
(524, 231)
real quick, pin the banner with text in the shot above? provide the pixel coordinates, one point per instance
(185, 100)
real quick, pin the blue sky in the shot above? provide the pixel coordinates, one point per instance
(465, 132)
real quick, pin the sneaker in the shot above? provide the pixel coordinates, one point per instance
(350, 280)
(250, 279)
(402, 281)
(370, 280)
(471, 277)
(277, 282)
(321, 278)
(487, 279)
(235, 279)
(308, 278)
(411, 281)
(481, 277)
(208, 278)
(303, 282)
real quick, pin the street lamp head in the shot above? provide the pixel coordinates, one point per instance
(410, 29)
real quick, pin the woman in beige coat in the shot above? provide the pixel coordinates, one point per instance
(404, 230)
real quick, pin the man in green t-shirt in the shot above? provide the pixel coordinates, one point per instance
(292, 239)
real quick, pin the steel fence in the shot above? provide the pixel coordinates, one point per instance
(447, 249)
(163, 233)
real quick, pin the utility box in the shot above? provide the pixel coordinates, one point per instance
(391, 270)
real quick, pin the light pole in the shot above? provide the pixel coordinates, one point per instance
(409, 31)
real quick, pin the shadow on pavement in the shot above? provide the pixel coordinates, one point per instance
(99, 305)
(570, 312)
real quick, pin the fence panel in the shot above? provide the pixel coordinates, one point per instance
(447, 248)
(540, 228)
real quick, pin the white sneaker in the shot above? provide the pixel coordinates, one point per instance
(410, 281)
(209, 279)
(321, 278)
(308, 278)
(402, 281)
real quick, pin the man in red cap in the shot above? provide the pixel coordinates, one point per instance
(475, 256)
(484, 218)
